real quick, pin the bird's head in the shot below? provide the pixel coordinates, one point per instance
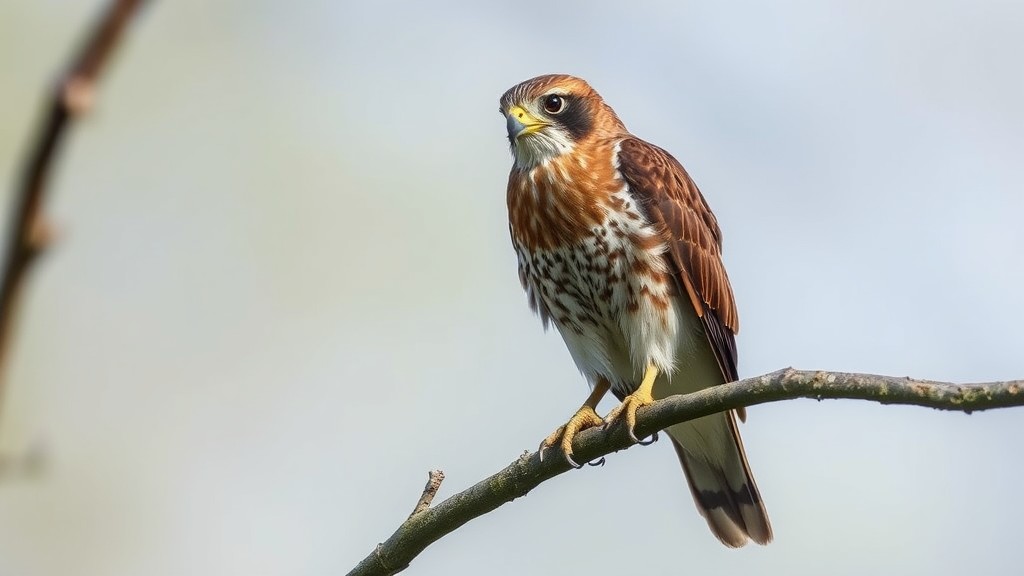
(551, 115)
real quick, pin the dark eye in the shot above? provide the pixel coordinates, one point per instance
(553, 103)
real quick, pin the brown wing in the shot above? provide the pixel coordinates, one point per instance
(671, 200)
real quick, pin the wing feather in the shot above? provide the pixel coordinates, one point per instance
(720, 479)
(672, 201)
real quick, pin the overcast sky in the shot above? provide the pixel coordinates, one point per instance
(283, 288)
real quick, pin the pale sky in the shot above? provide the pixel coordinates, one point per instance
(283, 288)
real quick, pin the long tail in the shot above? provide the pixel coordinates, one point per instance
(711, 452)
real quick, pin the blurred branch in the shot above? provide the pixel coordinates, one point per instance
(29, 232)
(527, 472)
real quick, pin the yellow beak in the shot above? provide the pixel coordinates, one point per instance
(519, 121)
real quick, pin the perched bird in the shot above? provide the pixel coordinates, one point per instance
(618, 249)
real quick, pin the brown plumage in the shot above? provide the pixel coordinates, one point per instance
(694, 241)
(619, 250)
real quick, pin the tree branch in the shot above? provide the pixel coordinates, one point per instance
(429, 491)
(29, 233)
(527, 472)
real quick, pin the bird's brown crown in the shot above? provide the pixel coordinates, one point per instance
(534, 88)
(564, 104)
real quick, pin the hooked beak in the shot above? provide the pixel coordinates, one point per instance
(518, 121)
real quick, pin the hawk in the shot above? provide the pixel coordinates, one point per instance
(618, 249)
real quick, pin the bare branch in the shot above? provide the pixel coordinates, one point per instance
(527, 472)
(29, 232)
(429, 491)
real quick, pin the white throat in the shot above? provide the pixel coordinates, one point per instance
(532, 150)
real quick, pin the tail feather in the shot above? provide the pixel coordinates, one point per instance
(711, 453)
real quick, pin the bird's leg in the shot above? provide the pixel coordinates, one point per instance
(584, 418)
(642, 396)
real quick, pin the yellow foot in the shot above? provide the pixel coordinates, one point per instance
(584, 418)
(642, 396)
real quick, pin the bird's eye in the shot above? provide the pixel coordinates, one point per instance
(553, 103)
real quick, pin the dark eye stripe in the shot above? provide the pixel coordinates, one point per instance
(575, 117)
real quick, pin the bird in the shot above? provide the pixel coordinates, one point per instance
(619, 251)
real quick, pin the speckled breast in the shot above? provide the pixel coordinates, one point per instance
(591, 263)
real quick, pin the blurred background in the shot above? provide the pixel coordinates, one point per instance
(283, 288)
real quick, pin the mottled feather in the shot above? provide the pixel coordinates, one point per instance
(672, 200)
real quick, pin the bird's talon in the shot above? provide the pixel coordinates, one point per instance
(625, 412)
(630, 404)
(598, 462)
(584, 418)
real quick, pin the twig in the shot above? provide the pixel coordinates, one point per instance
(429, 491)
(29, 232)
(528, 472)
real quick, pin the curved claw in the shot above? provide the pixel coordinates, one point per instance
(626, 411)
(562, 437)
(568, 458)
(652, 440)
(568, 455)
(598, 462)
